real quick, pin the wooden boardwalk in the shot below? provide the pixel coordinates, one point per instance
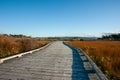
(56, 62)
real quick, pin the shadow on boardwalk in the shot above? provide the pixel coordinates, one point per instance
(78, 70)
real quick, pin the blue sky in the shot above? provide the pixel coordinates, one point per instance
(59, 17)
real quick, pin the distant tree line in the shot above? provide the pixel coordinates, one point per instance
(16, 35)
(20, 36)
(111, 37)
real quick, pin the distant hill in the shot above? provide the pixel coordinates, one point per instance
(72, 38)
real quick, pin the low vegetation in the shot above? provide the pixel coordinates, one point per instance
(106, 54)
(15, 44)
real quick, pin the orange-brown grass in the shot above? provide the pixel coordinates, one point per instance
(11, 45)
(106, 54)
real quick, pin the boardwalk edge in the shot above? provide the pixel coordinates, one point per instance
(99, 73)
(24, 53)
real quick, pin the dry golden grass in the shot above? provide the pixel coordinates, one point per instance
(11, 45)
(106, 54)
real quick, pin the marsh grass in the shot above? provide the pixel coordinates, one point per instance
(11, 45)
(106, 54)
